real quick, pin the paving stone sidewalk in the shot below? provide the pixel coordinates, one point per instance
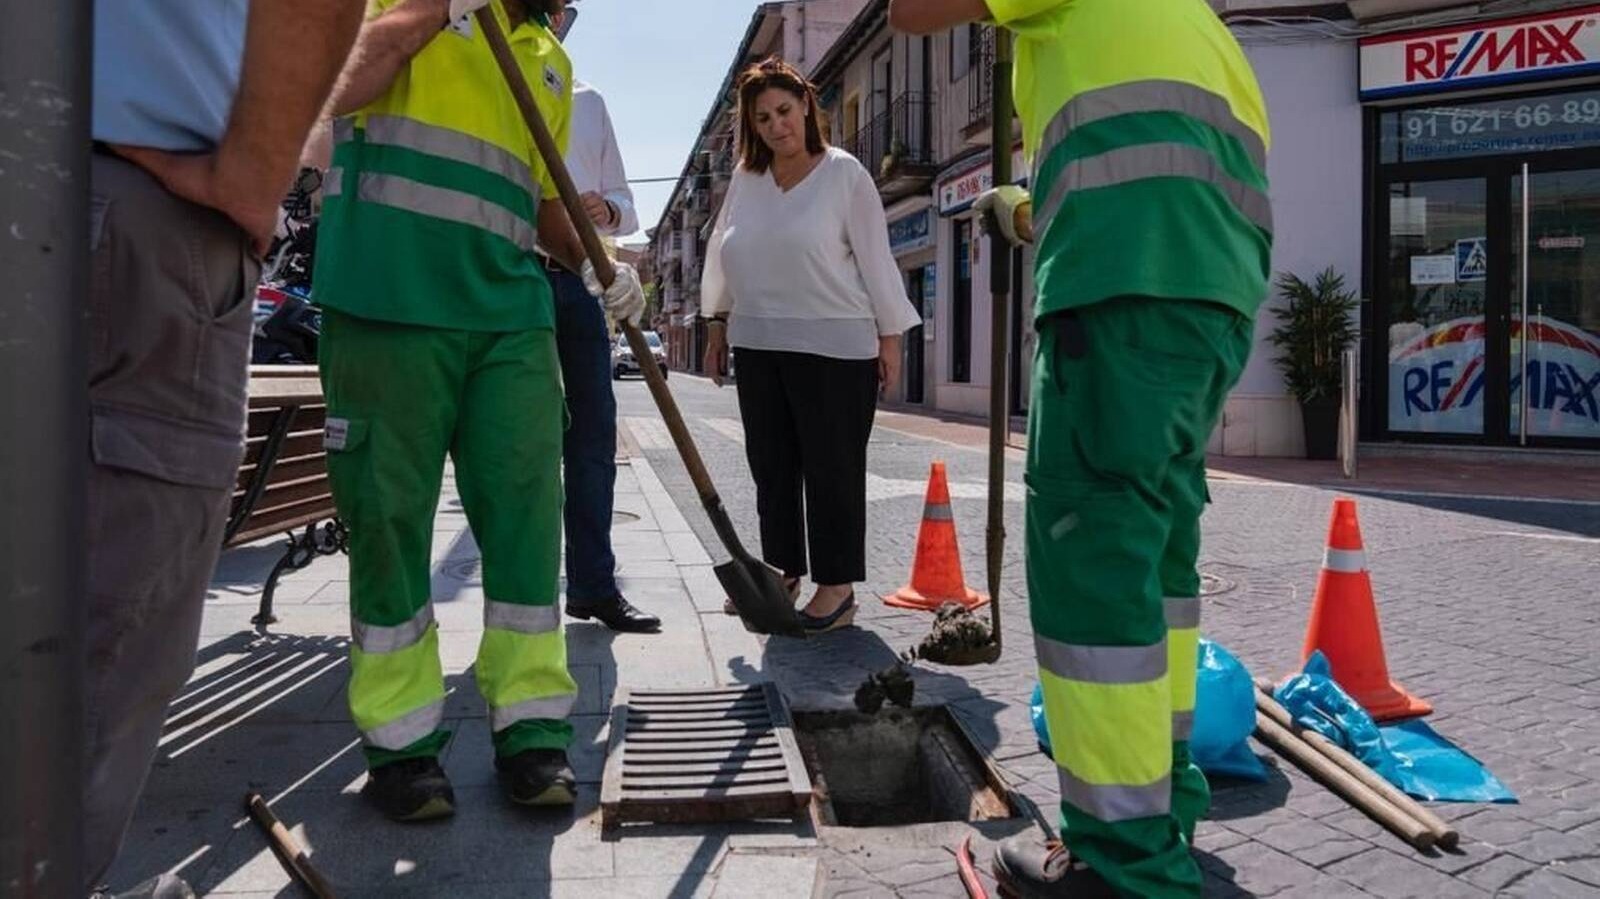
(1489, 609)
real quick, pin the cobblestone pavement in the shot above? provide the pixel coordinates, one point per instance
(1489, 610)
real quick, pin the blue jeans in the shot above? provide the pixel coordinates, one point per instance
(590, 446)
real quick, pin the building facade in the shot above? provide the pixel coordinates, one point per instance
(1443, 157)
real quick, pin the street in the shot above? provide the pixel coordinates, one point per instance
(1488, 609)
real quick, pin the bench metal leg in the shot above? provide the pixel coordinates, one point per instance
(301, 550)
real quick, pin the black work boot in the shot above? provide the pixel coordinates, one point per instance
(538, 777)
(1029, 867)
(411, 790)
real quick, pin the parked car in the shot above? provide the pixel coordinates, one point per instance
(623, 362)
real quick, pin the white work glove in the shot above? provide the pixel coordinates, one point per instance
(999, 204)
(624, 299)
(459, 8)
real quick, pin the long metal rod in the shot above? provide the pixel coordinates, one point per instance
(1000, 330)
(44, 254)
(1348, 410)
(1522, 329)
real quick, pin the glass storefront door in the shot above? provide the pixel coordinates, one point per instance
(1436, 282)
(1555, 327)
(1473, 336)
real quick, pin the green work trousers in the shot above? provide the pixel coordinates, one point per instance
(400, 398)
(1125, 395)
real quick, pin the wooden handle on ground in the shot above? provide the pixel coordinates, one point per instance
(287, 848)
(1342, 782)
(1446, 836)
(553, 161)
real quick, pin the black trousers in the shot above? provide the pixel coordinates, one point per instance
(806, 423)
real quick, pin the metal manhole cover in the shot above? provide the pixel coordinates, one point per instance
(1215, 585)
(681, 756)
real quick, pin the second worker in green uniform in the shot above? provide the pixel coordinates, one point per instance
(439, 341)
(1148, 207)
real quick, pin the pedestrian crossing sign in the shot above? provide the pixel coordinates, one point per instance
(1472, 259)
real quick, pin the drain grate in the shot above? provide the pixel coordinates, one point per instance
(700, 756)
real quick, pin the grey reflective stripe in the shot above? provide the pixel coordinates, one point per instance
(938, 512)
(443, 203)
(377, 638)
(1103, 664)
(508, 616)
(333, 182)
(1148, 96)
(344, 129)
(1345, 561)
(1182, 725)
(544, 708)
(1117, 802)
(408, 728)
(1141, 161)
(1183, 614)
(448, 143)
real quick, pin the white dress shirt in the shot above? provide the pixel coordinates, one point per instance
(594, 160)
(808, 270)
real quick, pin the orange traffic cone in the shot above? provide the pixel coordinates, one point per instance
(1344, 623)
(936, 573)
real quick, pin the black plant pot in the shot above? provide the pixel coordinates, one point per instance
(1321, 420)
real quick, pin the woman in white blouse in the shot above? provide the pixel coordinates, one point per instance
(800, 282)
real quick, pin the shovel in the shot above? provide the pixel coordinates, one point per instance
(756, 588)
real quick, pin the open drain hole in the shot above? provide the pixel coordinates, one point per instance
(898, 767)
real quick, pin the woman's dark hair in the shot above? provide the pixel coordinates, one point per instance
(754, 154)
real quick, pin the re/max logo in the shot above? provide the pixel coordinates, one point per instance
(1488, 51)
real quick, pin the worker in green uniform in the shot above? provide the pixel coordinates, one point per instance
(1147, 205)
(438, 340)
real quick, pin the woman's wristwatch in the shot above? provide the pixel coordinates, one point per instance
(719, 319)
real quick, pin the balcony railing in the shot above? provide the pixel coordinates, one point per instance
(980, 78)
(902, 135)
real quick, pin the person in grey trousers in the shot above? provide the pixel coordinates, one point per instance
(200, 114)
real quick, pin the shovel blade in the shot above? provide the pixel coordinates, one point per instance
(760, 597)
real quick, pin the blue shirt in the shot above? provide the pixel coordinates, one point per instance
(166, 71)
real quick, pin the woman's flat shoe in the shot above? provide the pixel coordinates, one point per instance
(728, 607)
(843, 616)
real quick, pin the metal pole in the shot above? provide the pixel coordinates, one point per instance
(1000, 327)
(44, 253)
(1347, 412)
(1522, 329)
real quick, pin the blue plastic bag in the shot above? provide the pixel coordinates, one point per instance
(1410, 755)
(1224, 716)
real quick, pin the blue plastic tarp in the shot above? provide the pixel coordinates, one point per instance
(1411, 755)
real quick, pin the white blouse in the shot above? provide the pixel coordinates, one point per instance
(808, 270)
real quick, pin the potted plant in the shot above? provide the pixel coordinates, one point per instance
(1316, 324)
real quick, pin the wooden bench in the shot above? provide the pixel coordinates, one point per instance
(283, 482)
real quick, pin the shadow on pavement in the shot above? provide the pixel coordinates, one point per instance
(1580, 520)
(1232, 799)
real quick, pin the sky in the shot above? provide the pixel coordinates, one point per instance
(659, 64)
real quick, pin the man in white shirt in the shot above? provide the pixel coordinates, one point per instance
(584, 340)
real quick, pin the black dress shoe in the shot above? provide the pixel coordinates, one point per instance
(616, 613)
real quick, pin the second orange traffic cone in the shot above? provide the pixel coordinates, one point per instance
(936, 576)
(1344, 623)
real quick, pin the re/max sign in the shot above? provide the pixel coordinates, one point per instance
(1535, 47)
